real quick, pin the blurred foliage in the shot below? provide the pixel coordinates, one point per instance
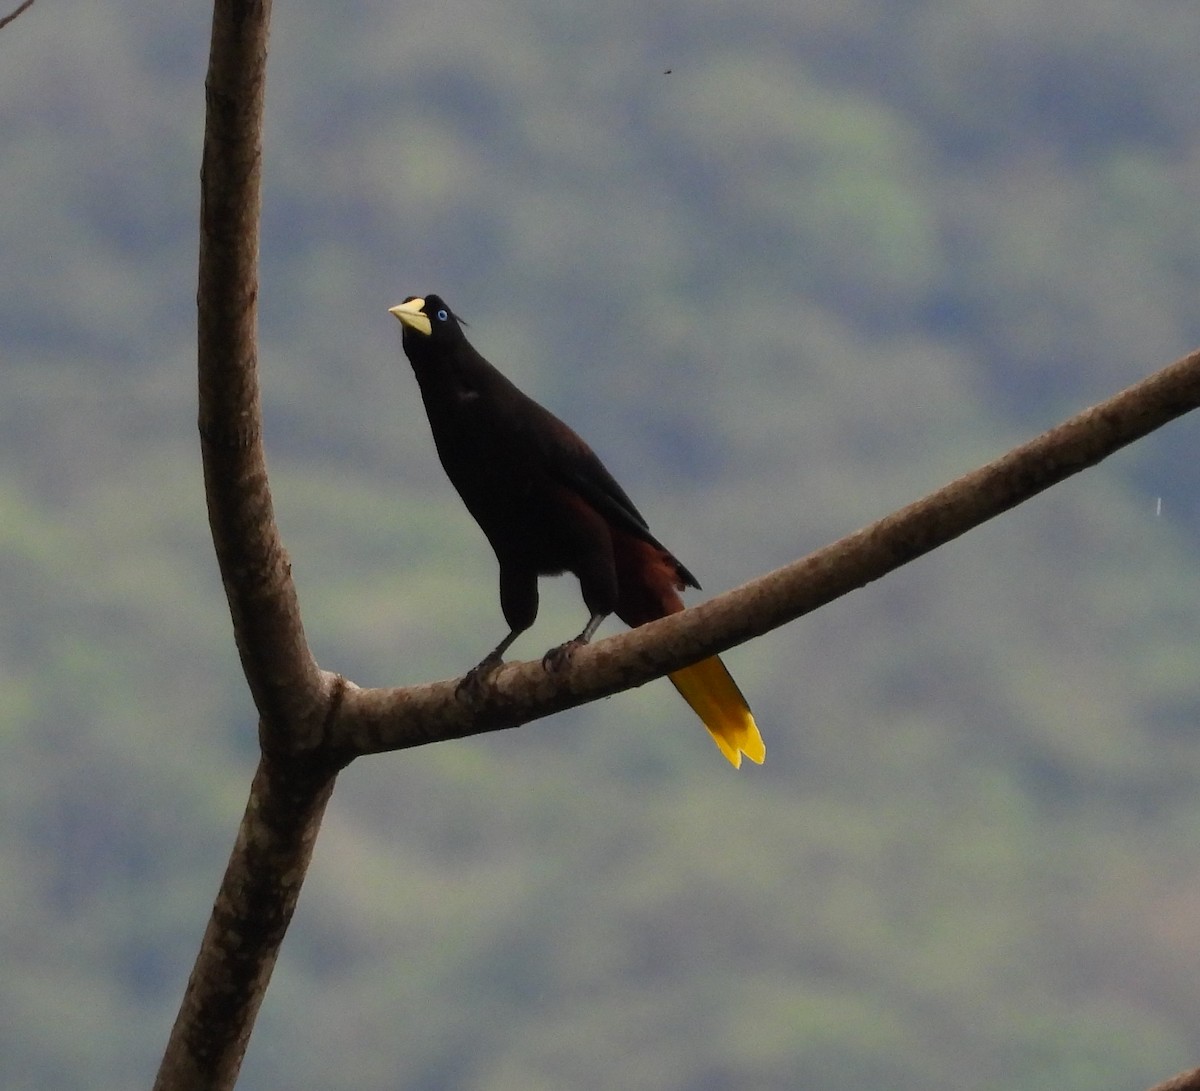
(788, 266)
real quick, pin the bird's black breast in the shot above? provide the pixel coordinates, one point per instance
(486, 443)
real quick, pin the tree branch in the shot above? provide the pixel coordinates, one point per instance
(1185, 1081)
(289, 691)
(388, 719)
(247, 926)
(24, 6)
(292, 786)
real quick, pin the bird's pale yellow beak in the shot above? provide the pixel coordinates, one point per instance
(411, 315)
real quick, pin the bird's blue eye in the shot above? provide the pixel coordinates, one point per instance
(442, 316)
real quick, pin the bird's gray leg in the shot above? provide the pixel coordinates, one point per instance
(474, 683)
(557, 659)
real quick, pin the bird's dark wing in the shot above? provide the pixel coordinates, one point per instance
(568, 460)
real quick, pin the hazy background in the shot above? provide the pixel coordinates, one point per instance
(788, 266)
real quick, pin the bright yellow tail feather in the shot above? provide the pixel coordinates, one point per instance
(714, 696)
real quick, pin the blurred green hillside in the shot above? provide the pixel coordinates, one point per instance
(788, 266)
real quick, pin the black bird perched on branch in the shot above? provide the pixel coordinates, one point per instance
(548, 505)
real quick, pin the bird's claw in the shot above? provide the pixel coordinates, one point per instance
(559, 659)
(473, 686)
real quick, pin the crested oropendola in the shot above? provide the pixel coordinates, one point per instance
(548, 505)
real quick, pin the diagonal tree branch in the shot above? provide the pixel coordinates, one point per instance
(23, 6)
(1185, 1081)
(249, 919)
(376, 720)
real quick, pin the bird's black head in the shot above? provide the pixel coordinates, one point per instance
(428, 324)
